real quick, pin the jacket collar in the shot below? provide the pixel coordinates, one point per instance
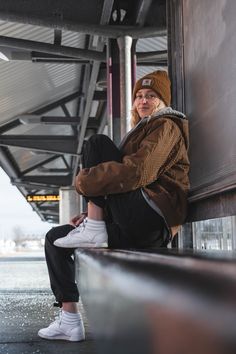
(162, 112)
(166, 111)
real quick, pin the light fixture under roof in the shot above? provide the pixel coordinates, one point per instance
(7, 54)
(3, 56)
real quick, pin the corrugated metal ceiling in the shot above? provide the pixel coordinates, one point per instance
(25, 87)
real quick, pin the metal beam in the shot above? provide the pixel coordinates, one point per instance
(52, 206)
(7, 164)
(65, 110)
(54, 170)
(33, 186)
(105, 17)
(89, 99)
(10, 125)
(57, 36)
(34, 167)
(153, 63)
(103, 30)
(38, 57)
(154, 55)
(176, 53)
(49, 181)
(143, 9)
(51, 48)
(57, 103)
(98, 95)
(65, 162)
(50, 212)
(52, 219)
(49, 143)
(103, 120)
(52, 120)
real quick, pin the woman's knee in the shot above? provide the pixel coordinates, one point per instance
(99, 148)
(96, 142)
(98, 138)
(57, 232)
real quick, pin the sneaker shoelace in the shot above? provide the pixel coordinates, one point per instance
(80, 227)
(58, 319)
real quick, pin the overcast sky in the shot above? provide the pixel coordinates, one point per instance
(16, 212)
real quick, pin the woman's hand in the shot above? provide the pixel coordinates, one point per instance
(78, 219)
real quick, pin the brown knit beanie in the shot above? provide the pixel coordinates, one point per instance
(159, 82)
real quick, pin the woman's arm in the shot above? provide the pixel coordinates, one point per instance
(157, 152)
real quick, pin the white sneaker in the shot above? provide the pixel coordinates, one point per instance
(58, 329)
(84, 236)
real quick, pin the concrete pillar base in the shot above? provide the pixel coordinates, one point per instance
(70, 204)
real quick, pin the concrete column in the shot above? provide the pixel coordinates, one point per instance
(69, 205)
(226, 222)
(124, 44)
(233, 223)
(185, 236)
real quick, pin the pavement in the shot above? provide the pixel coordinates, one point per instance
(26, 305)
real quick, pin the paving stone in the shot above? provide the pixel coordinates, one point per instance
(27, 306)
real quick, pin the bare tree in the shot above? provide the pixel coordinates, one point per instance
(18, 235)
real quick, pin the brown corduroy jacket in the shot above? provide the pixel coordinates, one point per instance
(155, 159)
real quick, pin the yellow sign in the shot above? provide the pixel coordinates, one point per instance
(43, 198)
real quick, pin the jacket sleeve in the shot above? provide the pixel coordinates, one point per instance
(156, 154)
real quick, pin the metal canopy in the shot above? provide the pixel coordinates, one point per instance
(53, 88)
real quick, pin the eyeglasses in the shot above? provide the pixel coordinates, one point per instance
(147, 97)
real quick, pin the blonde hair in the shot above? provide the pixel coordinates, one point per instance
(135, 118)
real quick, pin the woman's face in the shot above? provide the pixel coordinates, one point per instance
(146, 102)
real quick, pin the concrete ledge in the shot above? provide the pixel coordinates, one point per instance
(159, 302)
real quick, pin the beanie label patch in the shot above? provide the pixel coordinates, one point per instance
(146, 82)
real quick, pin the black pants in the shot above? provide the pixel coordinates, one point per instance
(130, 221)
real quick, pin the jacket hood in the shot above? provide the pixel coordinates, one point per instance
(178, 117)
(168, 111)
